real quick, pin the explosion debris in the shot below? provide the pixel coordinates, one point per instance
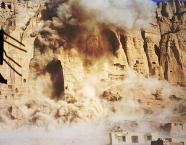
(108, 95)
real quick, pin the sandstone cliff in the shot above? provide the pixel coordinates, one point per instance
(171, 19)
(156, 51)
(106, 68)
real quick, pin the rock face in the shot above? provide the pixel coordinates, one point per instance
(160, 50)
(156, 51)
(15, 21)
(133, 46)
(7, 13)
(171, 19)
(93, 62)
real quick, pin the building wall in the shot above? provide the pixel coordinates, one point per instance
(177, 136)
(117, 138)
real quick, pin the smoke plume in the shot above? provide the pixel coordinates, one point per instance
(126, 14)
(123, 14)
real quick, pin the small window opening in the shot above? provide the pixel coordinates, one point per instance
(134, 139)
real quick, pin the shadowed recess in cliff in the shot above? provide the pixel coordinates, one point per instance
(112, 39)
(54, 68)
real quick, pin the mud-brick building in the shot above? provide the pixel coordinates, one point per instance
(173, 133)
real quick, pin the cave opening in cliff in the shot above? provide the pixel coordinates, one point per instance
(157, 51)
(112, 39)
(3, 6)
(54, 68)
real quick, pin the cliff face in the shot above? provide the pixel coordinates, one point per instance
(7, 13)
(158, 50)
(98, 61)
(95, 48)
(171, 19)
